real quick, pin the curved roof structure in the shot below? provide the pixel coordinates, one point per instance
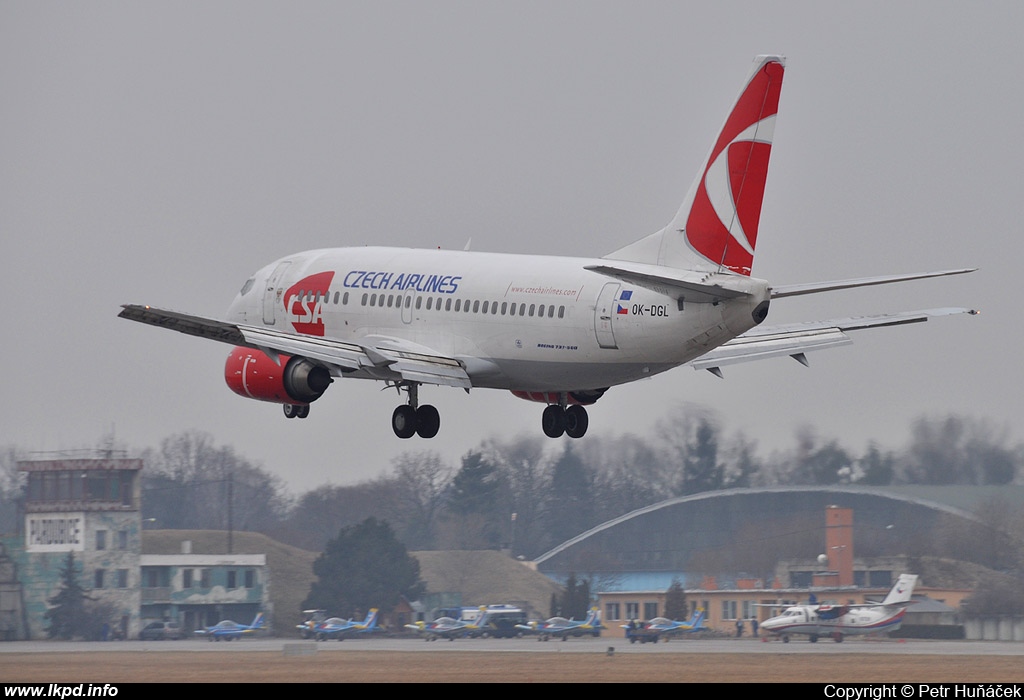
(749, 530)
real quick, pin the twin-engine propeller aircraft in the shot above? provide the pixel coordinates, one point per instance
(556, 330)
(837, 621)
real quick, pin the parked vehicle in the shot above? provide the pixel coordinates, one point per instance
(157, 631)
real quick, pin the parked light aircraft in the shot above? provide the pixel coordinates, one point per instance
(838, 621)
(663, 628)
(556, 330)
(445, 628)
(229, 629)
(563, 627)
(307, 628)
(339, 628)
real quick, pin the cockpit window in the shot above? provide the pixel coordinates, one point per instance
(247, 286)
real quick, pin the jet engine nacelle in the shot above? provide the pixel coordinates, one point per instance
(292, 380)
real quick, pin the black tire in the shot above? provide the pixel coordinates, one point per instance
(290, 410)
(403, 422)
(428, 421)
(553, 421)
(576, 421)
(302, 411)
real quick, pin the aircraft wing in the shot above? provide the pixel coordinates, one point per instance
(796, 339)
(387, 355)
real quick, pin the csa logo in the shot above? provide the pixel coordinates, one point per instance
(303, 303)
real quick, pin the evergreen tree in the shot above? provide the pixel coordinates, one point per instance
(473, 501)
(364, 567)
(571, 504)
(701, 468)
(675, 602)
(575, 601)
(67, 615)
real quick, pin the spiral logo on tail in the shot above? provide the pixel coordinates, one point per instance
(722, 223)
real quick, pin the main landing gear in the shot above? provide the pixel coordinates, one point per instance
(412, 419)
(292, 410)
(559, 419)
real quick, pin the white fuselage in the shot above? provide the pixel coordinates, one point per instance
(807, 620)
(519, 322)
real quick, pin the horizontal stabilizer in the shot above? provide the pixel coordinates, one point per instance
(674, 282)
(792, 290)
(798, 338)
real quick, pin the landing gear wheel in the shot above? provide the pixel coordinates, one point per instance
(403, 421)
(838, 636)
(553, 421)
(576, 421)
(302, 411)
(290, 410)
(428, 421)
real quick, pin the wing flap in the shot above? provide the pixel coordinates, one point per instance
(797, 338)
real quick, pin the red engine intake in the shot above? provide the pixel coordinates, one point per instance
(295, 380)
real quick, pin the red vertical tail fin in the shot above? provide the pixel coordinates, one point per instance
(716, 227)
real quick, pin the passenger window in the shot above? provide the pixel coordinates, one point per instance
(430, 303)
(419, 302)
(532, 307)
(364, 299)
(448, 304)
(458, 304)
(373, 300)
(344, 299)
(486, 303)
(504, 307)
(476, 307)
(561, 312)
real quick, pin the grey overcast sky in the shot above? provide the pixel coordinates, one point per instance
(161, 152)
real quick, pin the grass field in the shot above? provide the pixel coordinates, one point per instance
(356, 666)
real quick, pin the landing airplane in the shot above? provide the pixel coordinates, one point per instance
(837, 621)
(338, 628)
(556, 330)
(663, 628)
(229, 629)
(563, 627)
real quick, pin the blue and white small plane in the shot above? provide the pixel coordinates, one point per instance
(663, 628)
(229, 629)
(564, 627)
(339, 628)
(445, 628)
